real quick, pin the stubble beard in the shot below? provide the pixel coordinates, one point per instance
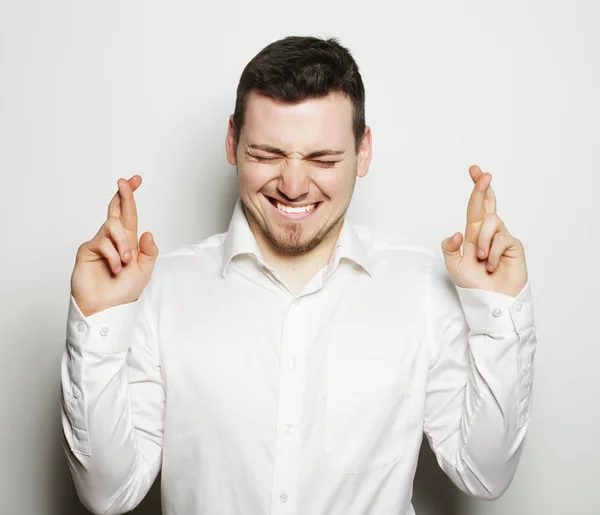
(289, 239)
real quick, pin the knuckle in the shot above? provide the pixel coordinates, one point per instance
(112, 223)
(116, 230)
(106, 246)
(108, 225)
(82, 250)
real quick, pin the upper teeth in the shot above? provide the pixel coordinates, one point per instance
(289, 209)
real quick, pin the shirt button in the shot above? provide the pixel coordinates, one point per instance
(283, 498)
(519, 307)
(497, 312)
(292, 363)
(80, 327)
(76, 394)
(289, 428)
(104, 330)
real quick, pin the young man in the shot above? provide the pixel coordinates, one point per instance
(292, 364)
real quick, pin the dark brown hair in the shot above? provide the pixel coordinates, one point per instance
(297, 68)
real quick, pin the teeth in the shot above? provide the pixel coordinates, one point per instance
(288, 209)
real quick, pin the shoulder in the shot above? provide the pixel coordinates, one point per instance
(392, 248)
(207, 251)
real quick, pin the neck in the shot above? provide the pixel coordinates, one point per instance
(305, 264)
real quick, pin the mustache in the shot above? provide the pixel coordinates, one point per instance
(284, 198)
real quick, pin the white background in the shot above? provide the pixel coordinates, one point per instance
(94, 91)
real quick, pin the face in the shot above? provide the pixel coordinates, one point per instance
(297, 166)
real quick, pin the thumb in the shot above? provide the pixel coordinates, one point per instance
(148, 251)
(451, 250)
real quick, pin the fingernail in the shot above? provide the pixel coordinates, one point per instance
(118, 269)
(127, 255)
(481, 253)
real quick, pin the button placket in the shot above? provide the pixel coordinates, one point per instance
(289, 402)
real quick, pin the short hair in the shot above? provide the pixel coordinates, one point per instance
(297, 68)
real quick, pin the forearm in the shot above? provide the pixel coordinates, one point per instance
(480, 383)
(113, 464)
(481, 454)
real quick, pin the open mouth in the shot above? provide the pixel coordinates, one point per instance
(294, 211)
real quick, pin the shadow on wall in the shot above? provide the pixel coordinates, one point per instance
(434, 493)
(149, 506)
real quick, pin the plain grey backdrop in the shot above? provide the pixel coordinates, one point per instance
(91, 91)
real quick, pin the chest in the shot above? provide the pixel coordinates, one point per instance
(233, 349)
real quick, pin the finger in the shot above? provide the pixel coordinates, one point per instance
(490, 204)
(128, 217)
(148, 251)
(114, 206)
(475, 172)
(491, 225)
(499, 246)
(115, 231)
(451, 249)
(108, 250)
(476, 208)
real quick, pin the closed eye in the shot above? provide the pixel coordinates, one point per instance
(325, 164)
(318, 162)
(265, 159)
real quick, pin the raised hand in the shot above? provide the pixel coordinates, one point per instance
(492, 259)
(110, 269)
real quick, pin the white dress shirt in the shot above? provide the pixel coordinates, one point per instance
(253, 401)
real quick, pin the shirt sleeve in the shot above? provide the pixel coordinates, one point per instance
(112, 402)
(478, 399)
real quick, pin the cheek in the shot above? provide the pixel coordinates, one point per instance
(252, 177)
(335, 184)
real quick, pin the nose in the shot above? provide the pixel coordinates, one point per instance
(294, 180)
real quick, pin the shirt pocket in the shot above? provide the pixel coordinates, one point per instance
(369, 407)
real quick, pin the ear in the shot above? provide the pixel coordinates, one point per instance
(364, 153)
(230, 147)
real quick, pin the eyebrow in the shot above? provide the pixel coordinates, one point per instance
(278, 151)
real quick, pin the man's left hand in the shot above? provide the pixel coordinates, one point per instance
(492, 259)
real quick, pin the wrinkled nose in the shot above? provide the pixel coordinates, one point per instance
(294, 181)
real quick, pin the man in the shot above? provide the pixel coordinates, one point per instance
(292, 364)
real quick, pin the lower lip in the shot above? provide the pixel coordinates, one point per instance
(294, 216)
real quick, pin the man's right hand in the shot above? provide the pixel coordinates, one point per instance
(109, 269)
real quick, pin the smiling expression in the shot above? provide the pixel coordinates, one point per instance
(297, 167)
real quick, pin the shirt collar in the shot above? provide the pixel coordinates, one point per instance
(350, 246)
(240, 240)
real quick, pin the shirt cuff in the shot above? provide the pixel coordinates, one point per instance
(490, 312)
(107, 331)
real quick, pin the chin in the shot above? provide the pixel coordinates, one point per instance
(292, 246)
